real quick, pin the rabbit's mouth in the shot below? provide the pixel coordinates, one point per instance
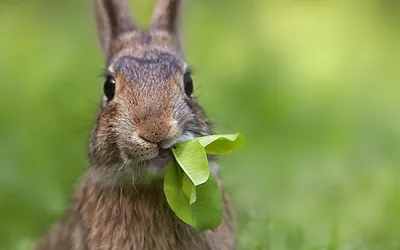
(164, 156)
(162, 159)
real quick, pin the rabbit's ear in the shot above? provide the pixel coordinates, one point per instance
(166, 17)
(113, 18)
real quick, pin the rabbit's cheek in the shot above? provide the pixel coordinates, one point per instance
(136, 149)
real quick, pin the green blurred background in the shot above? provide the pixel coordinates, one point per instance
(314, 86)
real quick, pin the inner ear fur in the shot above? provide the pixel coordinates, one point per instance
(114, 19)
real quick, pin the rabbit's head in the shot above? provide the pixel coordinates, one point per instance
(148, 104)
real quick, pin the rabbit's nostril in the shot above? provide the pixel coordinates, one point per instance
(154, 129)
(152, 136)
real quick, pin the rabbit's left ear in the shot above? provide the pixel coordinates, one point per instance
(166, 17)
(113, 18)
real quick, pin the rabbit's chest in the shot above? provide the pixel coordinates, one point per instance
(120, 237)
(114, 221)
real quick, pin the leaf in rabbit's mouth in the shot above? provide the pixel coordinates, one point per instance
(162, 159)
(190, 188)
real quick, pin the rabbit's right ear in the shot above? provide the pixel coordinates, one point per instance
(113, 18)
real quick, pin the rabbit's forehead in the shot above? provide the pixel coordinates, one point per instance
(156, 65)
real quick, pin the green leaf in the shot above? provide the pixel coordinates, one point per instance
(221, 144)
(208, 208)
(188, 188)
(206, 212)
(192, 158)
(176, 199)
(191, 191)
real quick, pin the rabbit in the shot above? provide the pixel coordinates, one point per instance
(147, 107)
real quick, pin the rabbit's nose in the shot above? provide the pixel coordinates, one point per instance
(154, 130)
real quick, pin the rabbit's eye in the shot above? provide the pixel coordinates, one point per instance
(188, 84)
(109, 88)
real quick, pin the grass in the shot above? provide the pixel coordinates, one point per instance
(313, 85)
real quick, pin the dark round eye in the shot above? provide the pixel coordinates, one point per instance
(109, 88)
(188, 84)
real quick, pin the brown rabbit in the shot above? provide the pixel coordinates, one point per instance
(148, 106)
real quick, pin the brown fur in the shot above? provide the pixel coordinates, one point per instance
(137, 219)
(120, 203)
